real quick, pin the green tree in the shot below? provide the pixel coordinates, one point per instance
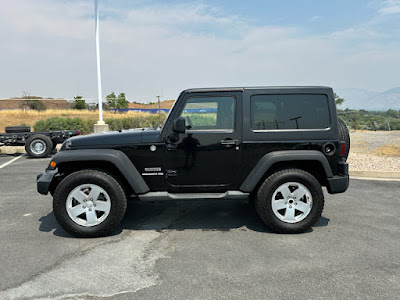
(338, 100)
(115, 102)
(79, 103)
(392, 113)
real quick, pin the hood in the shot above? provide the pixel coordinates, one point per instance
(112, 139)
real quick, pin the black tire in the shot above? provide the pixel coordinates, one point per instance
(102, 179)
(17, 129)
(344, 135)
(44, 142)
(54, 150)
(263, 201)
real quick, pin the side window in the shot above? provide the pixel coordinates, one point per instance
(210, 113)
(302, 111)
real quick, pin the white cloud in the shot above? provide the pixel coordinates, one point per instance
(314, 18)
(363, 32)
(49, 51)
(390, 7)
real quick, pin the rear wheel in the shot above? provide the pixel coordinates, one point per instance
(89, 203)
(290, 201)
(38, 145)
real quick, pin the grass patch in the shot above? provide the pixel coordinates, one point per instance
(387, 150)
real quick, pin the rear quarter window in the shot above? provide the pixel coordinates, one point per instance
(289, 112)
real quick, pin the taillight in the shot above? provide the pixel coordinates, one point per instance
(342, 149)
(79, 133)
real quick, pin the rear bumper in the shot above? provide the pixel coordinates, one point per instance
(44, 180)
(339, 183)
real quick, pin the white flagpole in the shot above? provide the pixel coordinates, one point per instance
(101, 122)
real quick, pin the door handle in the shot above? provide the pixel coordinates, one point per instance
(229, 142)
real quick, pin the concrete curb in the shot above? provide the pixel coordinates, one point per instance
(375, 174)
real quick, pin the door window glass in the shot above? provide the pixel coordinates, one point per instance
(209, 113)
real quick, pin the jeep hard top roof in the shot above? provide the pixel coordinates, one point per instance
(272, 88)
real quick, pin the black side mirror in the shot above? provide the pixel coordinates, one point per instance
(179, 125)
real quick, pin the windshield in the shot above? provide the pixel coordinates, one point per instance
(171, 109)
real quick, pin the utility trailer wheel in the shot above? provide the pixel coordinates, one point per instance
(38, 145)
(290, 201)
(17, 129)
(89, 203)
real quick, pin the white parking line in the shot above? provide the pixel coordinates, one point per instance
(11, 161)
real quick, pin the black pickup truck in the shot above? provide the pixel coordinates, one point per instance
(276, 146)
(37, 144)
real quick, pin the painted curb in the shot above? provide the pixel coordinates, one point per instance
(375, 174)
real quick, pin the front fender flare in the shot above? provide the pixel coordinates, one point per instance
(278, 156)
(117, 158)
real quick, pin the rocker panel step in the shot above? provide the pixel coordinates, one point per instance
(165, 196)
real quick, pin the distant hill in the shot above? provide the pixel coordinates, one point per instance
(370, 100)
(167, 104)
(19, 103)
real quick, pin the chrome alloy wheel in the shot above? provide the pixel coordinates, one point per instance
(38, 147)
(291, 202)
(88, 205)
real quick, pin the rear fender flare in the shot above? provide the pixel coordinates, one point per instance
(268, 160)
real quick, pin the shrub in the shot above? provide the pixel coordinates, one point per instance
(57, 123)
(134, 122)
(86, 125)
(35, 105)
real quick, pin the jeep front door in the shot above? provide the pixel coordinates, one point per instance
(207, 155)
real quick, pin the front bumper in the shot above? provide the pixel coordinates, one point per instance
(339, 183)
(44, 180)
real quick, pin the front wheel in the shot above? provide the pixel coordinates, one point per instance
(89, 203)
(290, 201)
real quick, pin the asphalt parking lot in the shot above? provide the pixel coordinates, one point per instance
(199, 250)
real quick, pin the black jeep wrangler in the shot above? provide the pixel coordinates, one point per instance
(275, 145)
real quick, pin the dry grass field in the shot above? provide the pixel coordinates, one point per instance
(30, 117)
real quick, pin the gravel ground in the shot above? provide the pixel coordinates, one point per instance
(370, 151)
(375, 151)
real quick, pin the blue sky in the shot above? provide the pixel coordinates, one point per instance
(158, 47)
(332, 15)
